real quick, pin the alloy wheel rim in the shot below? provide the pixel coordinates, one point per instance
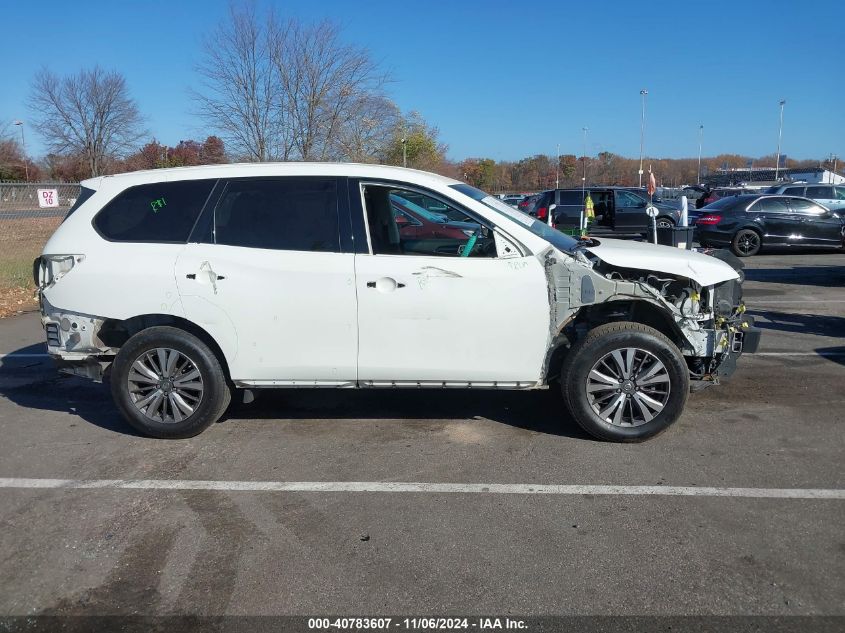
(628, 387)
(165, 385)
(664, 224)
(748, 243)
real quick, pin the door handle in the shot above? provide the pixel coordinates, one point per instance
(191, 276)
(387, 284)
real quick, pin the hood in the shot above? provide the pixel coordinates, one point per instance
(703, 269)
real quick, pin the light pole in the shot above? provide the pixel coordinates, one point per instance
(584, 158)
(404, 152)
(643, 94)
(557, 168)
(780, 133)
(700, 140)
(23, 148)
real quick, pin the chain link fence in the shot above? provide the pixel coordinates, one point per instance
(29, 213)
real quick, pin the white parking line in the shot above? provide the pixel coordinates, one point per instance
(824, 354)
(751, 303)
(439, 488)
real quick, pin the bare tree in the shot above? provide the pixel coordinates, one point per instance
(240, 94)
(368, 129)
(90, 113)
(324, 85)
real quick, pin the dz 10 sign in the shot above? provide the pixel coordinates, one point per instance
(48, 198)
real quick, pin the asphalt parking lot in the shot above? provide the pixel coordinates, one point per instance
(558, 539)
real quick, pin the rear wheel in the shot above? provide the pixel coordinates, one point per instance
(167, 383)
(624, 382)
(664, 223)
(746, 243)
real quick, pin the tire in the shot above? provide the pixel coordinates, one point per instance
(746, 242)
(634, 418)
(665, 223)
(187, 397)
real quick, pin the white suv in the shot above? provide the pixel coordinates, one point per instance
(183, 285)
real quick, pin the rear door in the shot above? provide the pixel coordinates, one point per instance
(823, 194)
(819, 227)
(268, 274)
(839, 203)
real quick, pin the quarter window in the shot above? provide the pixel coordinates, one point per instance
(157, 212)
(290, 214)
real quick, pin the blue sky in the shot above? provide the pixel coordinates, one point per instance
(500, 79)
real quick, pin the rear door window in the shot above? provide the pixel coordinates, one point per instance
(156, 212)
(288, 214)
(794, 191)
(805, 207)
(820, 193)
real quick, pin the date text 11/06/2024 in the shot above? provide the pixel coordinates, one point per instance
(417, 624)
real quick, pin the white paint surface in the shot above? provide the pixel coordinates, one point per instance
(422, 487)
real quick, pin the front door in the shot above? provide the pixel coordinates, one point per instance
(629, 214)
(779, 223)
(272, 279)
(446, 311)
(819, 227)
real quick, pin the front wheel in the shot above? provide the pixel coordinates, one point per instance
(624, 382)
(167, 383)
(664, 223)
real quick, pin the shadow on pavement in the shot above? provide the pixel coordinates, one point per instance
(817, 324)
(835, 354)
(37, 385)
(828, 276)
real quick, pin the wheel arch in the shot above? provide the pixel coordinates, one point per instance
(591, 317)
(115, 332)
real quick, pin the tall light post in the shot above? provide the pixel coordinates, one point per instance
(557, 168)
(23, 148)
(404, 152)
(584, 158)
(643, 94)
(700, 141)
(780, 133)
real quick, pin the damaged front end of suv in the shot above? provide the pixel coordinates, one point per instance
(693, 299)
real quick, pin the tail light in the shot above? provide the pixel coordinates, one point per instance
(709, 219)
(542, 213)
(48, 269)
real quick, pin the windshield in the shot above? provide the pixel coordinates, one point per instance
(540, 229)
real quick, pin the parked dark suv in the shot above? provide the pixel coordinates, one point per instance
(617, 209)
